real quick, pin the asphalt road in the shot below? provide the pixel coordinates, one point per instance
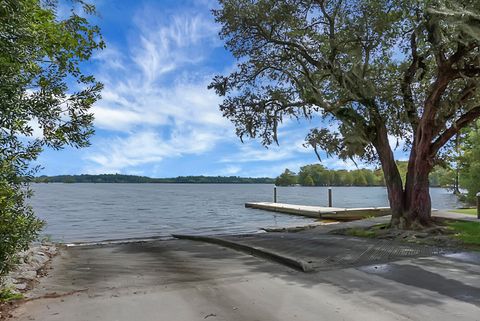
(188, 280)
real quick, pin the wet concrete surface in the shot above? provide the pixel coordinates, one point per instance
(187, 280)
(325, 252)
(418, 277)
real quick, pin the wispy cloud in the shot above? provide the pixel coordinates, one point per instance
(154, 99)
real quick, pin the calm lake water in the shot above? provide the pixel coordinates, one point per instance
(96, 212)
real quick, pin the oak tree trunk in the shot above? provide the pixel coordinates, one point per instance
(410, 204)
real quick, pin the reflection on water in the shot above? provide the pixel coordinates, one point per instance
(94, 212)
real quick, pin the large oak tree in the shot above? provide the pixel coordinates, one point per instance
(372, 70)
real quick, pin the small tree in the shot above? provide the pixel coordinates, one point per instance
(41, 84)
(378, 70)
(469, 164)
(287, 178)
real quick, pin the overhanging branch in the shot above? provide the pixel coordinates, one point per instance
(461, 122)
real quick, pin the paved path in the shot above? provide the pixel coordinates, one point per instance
(186, 280)
(456, 216)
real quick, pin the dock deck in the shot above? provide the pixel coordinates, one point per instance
(339, 213)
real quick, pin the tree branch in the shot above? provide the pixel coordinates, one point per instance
(407, 81)
(461, 122)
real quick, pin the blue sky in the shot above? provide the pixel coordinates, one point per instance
(157, 117)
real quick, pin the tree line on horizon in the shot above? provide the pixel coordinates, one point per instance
(120, 178)
(319, 175)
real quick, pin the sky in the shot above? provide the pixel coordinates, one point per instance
(156, 116)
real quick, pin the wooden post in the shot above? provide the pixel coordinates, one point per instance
(330, 197)
(275, 194)
(478, 205)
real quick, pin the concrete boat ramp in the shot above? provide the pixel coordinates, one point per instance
(337, 213)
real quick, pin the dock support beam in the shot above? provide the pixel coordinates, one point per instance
(330, 203)
(478, 205)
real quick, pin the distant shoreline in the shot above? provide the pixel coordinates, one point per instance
(120, 178)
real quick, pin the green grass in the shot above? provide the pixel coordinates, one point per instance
(468, 232)
(7, 295)
(361, 232)
(469, 211)
(370, 232)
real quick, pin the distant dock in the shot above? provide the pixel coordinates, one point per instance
(335, 213)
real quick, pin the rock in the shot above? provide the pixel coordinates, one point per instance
(25, 275)
(20, 286)
(50, 250)
(421, 235)
(30, 261)
(8, 282)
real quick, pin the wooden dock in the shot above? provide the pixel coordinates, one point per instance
(335, 213)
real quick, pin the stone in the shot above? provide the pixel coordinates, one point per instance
(25, 274)
(20, 286)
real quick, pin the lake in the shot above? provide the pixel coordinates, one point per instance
(97, 212)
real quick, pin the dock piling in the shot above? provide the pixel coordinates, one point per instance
(478, 205)
(275, 194)
(330, 204)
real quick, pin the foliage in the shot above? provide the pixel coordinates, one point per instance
(7, 295)
(469, 163)
(443, 176)
(287, 178)
(18, 225)
(318, 175)
(45, 100)
(119, 178)
(375, 71)
(467, 232)
(40, 60)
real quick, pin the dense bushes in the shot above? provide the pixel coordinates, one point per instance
(18, 225)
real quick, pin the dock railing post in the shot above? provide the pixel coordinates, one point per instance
(275, 194)
(478, 205)
(330, 204)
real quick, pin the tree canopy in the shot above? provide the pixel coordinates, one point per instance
(287, 178)
(42, 84)
(469, 163)
(45, 100)
(319, 175)
(373, 72)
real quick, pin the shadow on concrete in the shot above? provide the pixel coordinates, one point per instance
(183, 263)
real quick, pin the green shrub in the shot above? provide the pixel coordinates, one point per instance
(8, 295)
(18, 225)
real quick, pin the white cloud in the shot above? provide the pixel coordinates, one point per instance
(148, 147)
(290, 146)
(156, 97)
(162, 48)
(274, 170)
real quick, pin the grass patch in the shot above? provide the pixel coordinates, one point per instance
(370, 232)
(361, 232)
(467, 232)
(469, 211)
(7, 295)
